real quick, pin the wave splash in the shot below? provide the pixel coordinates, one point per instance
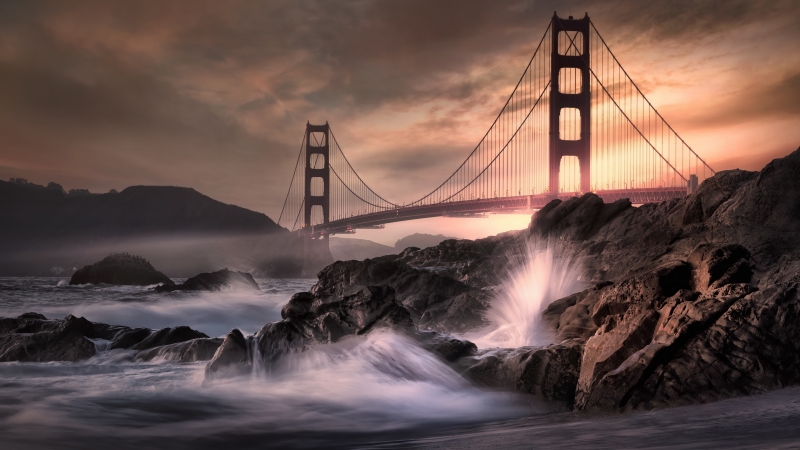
(539, 277)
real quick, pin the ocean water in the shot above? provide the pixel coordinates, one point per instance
(376, 391)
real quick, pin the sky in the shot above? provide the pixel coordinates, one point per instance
(216, 95)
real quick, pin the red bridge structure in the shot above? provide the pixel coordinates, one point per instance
(574, 123)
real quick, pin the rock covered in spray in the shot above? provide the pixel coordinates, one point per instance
(310, 319)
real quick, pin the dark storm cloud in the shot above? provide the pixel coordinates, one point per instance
(215, 95)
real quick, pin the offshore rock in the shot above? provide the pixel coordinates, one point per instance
(231, 359)
(168, 336)
(32, 337)
(121, 269)
(28, 338)
(215, 281)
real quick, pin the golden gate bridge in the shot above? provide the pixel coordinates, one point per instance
(575, 122)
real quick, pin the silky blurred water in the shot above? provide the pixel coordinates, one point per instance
(383, 383)
(213, 313)
(375, 391)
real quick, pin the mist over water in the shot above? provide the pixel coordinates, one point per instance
(376, 391)
(380, 383)
(540, 276)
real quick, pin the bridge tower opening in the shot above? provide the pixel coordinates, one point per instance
(570, 97)
(317, 173)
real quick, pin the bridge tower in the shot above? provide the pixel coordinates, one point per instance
(317, 148)
(570, 57)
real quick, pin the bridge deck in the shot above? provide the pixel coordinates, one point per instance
(515, 204)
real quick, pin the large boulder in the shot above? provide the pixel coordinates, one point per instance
(215, 281)
(31, 337)
(122, 269)
(436, 301)
(549, 373)
(310, 319)
(231, 359)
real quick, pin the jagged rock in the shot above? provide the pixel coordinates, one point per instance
(123, 269)
(577, 218)
(334, 314)
(448, 347)
(32, 337)
(671, 319)
(231, 359)
(200, 349)
(701, 205)
(29, 338)
(215, 281)
(129, 337)
(550, 373)
(571, 316)
(436, 302)
(167, 336)
(298, 306)
(717, 266)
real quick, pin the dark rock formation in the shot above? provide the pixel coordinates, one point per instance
(168, 336)
(693, 299)
(200, 349)
(32, 337)
(215, 281)
(321, 317)
(231, 359)
(681, 323)
(436, 301)
(120, 268)
(550, 373)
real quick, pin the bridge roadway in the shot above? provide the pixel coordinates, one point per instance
(500, 205)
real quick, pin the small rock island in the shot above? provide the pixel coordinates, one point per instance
(121, 269)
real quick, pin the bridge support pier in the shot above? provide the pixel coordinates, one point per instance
(572, 58)
(317, 167)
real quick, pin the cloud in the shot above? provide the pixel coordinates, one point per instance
(215, 95)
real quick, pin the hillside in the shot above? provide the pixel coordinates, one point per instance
(46, 231)
(345, 249)
(420, 240)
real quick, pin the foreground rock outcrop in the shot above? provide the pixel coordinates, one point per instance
(33, 337)
(121, 269)
(215, 281)
(325, 316)
(686, 301)
(309, 319)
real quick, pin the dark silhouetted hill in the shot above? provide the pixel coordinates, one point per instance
(420, 240)
(345, 249)
(46, 231)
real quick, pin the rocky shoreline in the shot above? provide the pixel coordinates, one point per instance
(683, 302)
(690, 300)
